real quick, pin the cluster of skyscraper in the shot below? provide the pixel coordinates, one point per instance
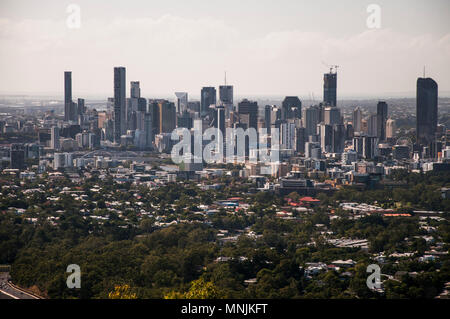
(313, 131)
(75, 117)
(323, 129)
(132, 122)
(72, 111)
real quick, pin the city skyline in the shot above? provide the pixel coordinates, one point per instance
(312, 98)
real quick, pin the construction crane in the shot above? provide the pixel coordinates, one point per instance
(335, 67)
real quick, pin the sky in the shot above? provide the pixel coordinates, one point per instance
(267, 48)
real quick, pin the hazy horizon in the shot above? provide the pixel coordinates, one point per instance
(267, 48)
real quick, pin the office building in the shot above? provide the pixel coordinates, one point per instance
(110, 105)
(366, 146)
(148, 130)
(390, 129)
(349, 131)
(331, 115)
(370, 147)
(426, 110)
(119, 103)
(357, 120)
(17, 156)
(325, 132)
(329, 88)
(33, 150)
(300, 139)
(54, 142)
(400, 152)
(312, 150)
(338, 138)
(136, 107)
(62, 160)
(135, 89)
(68, 103)
(349, 157)
(287, 136)
(372, 125)
(226, 96)
(311, 117)
(185, 120)
(250, 108)
(167, 116)
(268, 118)
(358, 145)
(194, 106)
(81, 107)
(382, 113)
(181, 102)
(59, 160)
(207, 98)
(291, 107)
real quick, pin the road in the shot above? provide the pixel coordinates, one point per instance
(9, 292)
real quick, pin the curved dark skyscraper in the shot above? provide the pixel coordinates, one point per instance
(291, 107)
(426, 110)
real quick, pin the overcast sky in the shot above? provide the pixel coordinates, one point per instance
(267, 47)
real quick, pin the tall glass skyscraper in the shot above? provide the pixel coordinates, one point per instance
(311, 117)
(68, 104)
(331, 116)
(226, 94)
(135, 90)
(226, 98)
(426, 110)
(382, 114)
(357, 119)
(251, 109)
(329, 88)
(207, 97)
(268, 118)
(119, 103)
